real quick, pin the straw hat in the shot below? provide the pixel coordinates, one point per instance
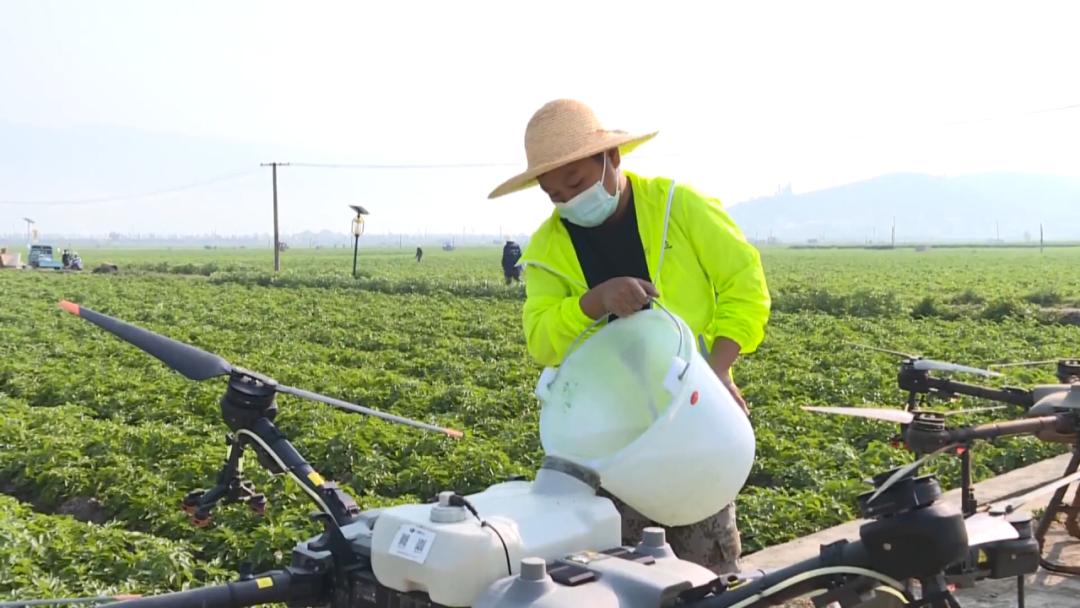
(560, 133)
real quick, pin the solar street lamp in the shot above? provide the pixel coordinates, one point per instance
(357, 230)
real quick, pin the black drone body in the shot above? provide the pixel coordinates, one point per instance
(1051, 413)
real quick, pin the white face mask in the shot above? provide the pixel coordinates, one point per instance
(592, 206)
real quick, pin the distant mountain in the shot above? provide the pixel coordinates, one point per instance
(976, 208)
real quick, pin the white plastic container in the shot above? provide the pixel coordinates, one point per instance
(455, 561)
(639, 405)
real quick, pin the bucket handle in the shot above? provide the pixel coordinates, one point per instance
(581, 337)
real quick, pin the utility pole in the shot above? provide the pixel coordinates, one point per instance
(277, 245)
(29, 237)
(997, 231)
(1040, 238)
(893, 246)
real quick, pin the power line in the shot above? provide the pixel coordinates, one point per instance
(128, 197)
(240, 174)
(1065, 108)
(1074, 106)
(406, 166)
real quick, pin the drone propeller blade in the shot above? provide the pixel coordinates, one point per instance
(907, 470)
(197, 364)
(351, 407)
(983, 528)
(929, 364)
(194, 363)
(942, 366)
(883, 350)
(873, 413)
(1022, 364)
(974, 410)
(1011, 505)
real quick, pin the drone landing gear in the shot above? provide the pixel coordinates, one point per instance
(230, 488)
(1057, 507)
(936, 593)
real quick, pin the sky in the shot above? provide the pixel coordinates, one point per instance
(113, 99)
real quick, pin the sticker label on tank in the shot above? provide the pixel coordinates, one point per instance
(673, 378)
(412, 543)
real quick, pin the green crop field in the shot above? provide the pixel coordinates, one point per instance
(93, 427)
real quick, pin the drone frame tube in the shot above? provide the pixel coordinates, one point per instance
(1065, 422)
(1055, 507)
(266, 588)
(335, 503)
(837, 567)
(921, 382)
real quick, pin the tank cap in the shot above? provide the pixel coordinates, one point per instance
(533, 569)
(654, 537)
(444, 513)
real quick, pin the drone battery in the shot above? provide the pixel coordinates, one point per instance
(1012, 558)
(915, 543)
(1015, 557)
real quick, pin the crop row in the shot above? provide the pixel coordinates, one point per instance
(83, 415)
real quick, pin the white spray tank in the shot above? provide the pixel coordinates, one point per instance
(443, 550)
(638, 404)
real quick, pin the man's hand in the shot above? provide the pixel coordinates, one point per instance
(729, 384)
(724, 353)
(621, 296)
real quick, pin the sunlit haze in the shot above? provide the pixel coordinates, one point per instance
(116, 99)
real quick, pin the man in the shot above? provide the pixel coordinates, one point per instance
(614, 242)
(419, 254)
(510, 256)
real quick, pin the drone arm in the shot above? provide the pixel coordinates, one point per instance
(331, 499)
(1012, 427)
(921, 382)
(835, 565)
(1012, 396)
(270, 587)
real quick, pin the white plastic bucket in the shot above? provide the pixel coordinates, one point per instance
(639, 405)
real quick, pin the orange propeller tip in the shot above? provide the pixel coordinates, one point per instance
(71, 307)
(454, 434)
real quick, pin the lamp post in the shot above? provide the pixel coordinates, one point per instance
(357, 230)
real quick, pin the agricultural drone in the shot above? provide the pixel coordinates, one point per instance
(553, 542)
(1051, 413)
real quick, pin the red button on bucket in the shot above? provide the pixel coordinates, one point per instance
(693, 398)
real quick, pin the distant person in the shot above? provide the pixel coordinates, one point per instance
(74, 261)
(615, 241)
(510, 256)
(419, 254)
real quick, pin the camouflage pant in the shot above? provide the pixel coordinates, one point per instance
(713, 542)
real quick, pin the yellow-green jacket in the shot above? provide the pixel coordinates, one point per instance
(708, 274)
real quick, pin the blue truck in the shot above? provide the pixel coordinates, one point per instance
(41, 256)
